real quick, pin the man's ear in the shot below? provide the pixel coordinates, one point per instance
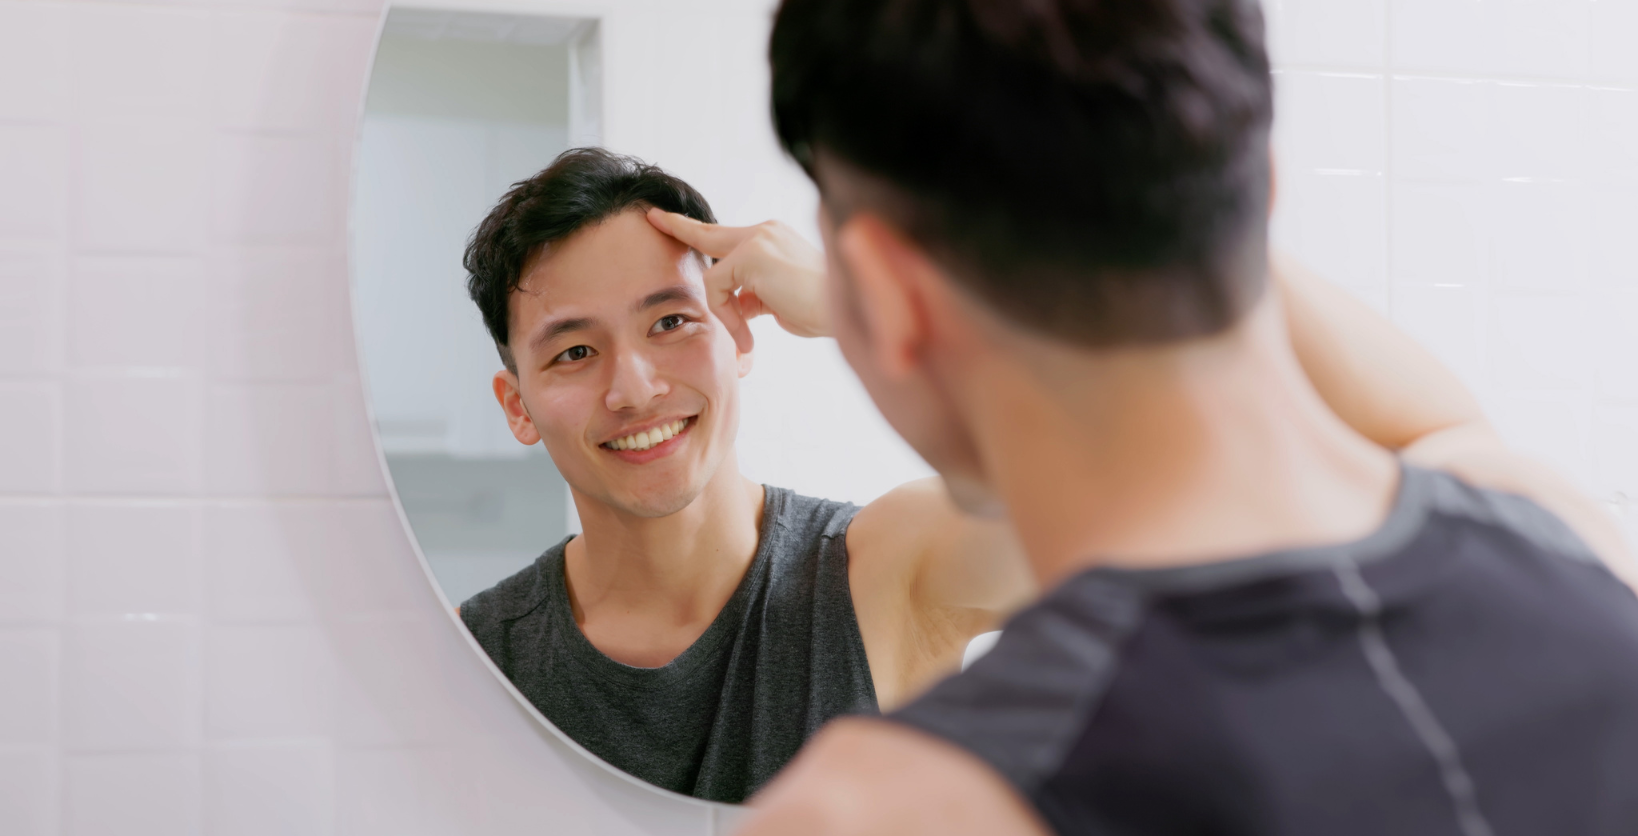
(888, 273)
(511, 400)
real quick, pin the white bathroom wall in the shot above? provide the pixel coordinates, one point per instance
(211, 619)
(1471, 169)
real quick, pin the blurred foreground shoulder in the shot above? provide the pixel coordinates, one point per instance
(865, 776)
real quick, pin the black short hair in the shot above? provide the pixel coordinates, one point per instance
(582, 187)
(1095, 170)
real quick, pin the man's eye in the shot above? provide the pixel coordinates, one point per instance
(669, 323)
(579, 352)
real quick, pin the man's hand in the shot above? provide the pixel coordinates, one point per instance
(762, 269)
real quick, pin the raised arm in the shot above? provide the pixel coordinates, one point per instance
(1395, 392)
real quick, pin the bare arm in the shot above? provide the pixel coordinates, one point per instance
(1396, 393)
(862, 777)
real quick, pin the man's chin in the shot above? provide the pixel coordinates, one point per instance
(653, 502)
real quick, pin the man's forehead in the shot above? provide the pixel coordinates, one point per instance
(613, 262)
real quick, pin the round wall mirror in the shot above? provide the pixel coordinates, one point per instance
(462, 107)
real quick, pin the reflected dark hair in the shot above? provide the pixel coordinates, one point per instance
(582, 187)
(1093, 170)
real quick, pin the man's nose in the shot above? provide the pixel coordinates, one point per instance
(635, 382)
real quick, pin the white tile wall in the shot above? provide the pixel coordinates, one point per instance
(210, 618)
(134, 558)
(131, 793)
(140, 187)
(28, 791)
(1511, 179)
(31, 324)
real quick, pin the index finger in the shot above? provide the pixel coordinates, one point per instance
(712, 239)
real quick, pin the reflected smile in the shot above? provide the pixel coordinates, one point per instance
(653, 437)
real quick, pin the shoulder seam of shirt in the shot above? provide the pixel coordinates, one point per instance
(1519, 515)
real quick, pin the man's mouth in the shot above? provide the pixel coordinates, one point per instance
(652, 437)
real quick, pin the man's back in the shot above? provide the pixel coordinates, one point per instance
(1468, 669)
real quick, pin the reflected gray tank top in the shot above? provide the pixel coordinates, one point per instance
(783, 657)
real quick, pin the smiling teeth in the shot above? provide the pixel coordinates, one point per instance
(645, 440)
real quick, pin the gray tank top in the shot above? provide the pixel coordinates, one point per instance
(783, 657)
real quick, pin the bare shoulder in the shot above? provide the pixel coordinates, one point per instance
(862, 776)
(893, 531)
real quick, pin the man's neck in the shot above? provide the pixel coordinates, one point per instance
(679, 569)
(1200, 452)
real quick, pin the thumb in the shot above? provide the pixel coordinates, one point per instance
(734, 319)
(712, 239)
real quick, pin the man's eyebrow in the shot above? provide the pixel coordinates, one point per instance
(674, 293)
(558, 328)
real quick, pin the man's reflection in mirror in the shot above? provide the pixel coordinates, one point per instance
(702, 626)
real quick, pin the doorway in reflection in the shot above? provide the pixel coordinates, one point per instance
(460, 106)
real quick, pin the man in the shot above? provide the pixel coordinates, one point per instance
(702, 626)
(1046, 228)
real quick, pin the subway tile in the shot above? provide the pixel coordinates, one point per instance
(132, 793)
(145, 311)
(1541, 342)
(134, 558)
(1538, 131)
(1441, 34)
(1540, 236)
(31, 321)
(28, 791)
(383, 792)
(1615, 344)
(1540, 37)
(1610, 54)
(391, 696)
(30, 446)
(308, 72)
(269, 681)
(1442, 129)
(368, 8)
(32, 577)
(33, 65)
(131, 683)
(33, 182)
(1550, 429)
(358, 469)
(1449, 320)
(389, 791)
(28, 690)
(141, 188)
(139, 63)
(269, 438)
(1335, 224)
(1350, 33)
(362, 551)
(1440, 234)
(1611, 122)
(270, 790)
(279, 315)
(132, 433)
(1612, 255)
(1614, 449)
(1331, 121)
(250, 561)
(276, 190)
